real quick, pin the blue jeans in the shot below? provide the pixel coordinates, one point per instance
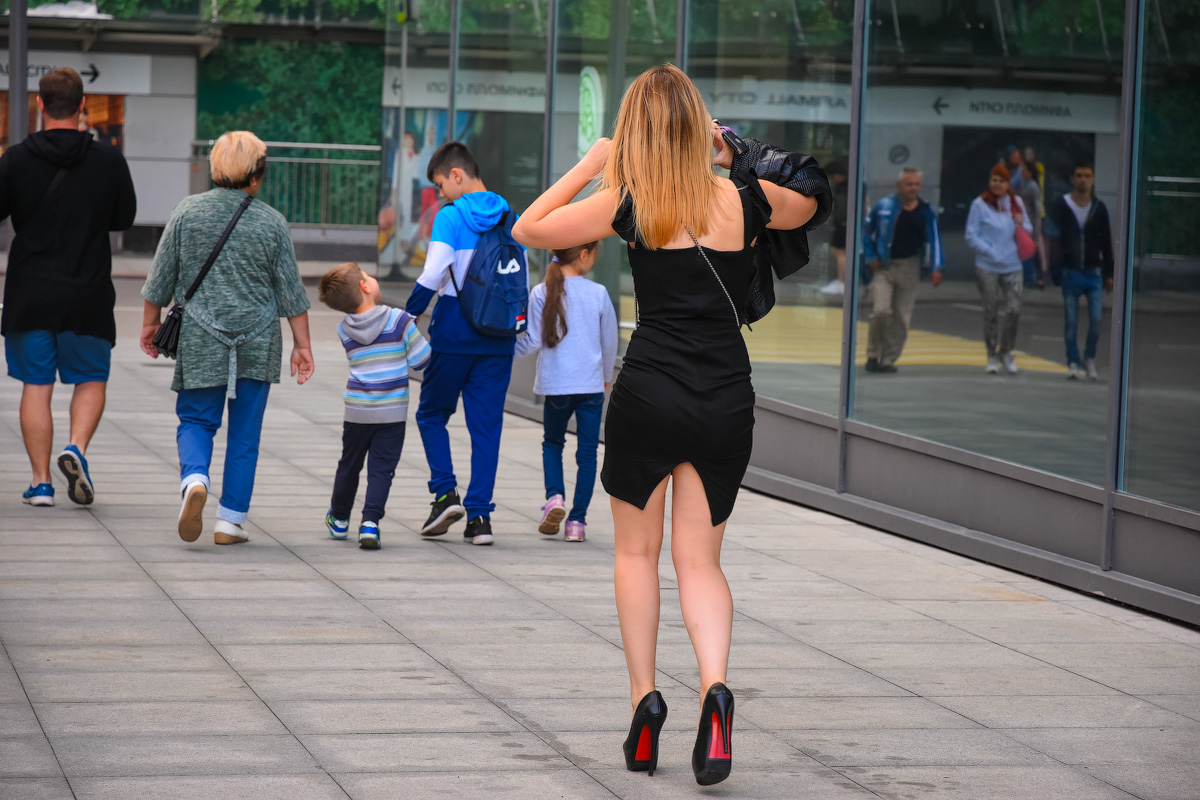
(555, 415)
(199, 412)
(1074, 284)
(482, 381)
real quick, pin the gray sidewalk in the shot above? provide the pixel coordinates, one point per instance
(295, 667)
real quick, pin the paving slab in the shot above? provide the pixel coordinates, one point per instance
(233, 787)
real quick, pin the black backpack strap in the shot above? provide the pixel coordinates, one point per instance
(212, 257)
(54, 184)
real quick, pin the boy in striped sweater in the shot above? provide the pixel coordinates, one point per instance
(382, 344)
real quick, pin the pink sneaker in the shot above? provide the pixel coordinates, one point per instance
(576, 531)
(552, 514)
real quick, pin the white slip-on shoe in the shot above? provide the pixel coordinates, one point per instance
(191, 514)
(229, 533)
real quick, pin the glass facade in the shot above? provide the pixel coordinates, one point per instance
(1162, 395)
(974, 328)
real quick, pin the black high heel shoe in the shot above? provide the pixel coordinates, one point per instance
(712, 758)
(641, 745)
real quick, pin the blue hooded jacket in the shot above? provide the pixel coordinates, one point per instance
(456, 230)
(880, 226)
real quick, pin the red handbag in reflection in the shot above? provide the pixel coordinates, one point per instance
(1026, 247)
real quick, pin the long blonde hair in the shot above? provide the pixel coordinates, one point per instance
(661, 156)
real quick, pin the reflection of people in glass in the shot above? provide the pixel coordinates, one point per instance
(992, 233)
(1087, 263)
(837, 240)
(895, 236)
(1030, 191)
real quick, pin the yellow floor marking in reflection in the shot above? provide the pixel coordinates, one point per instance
(813, 335)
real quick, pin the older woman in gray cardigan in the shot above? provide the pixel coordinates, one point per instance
(230, 343)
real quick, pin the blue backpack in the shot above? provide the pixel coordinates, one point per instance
(494, 296)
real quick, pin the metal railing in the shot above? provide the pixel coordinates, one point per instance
(1168, 227)
(317, 185)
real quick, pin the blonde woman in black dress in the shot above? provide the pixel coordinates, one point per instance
(682, 410)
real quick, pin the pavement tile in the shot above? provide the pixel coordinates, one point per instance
(853, 713)
(784, 783)
(874, 631)
(1023, 782)
(17, 718)
(492, 784)
(753, 750)
(351, 683)
(1113, 745)
(105, 658)
(331, 657)
(433, 752)
(143, 588)
(909, 747)
(35, 789)
(216, 717)
(106, 755)
(596, 682)
(1156, 780)
(997, 681)
(134, 685)
(410, 715)
(1186, 704)
(1102, 711)
(233, 787)
(27, 757)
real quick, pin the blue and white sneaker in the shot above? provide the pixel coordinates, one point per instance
(368, 535)
(40, 495)
(338, 528)
(74, 466)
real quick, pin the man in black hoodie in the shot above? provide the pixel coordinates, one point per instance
(64, 192)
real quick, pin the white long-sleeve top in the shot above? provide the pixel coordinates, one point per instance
(991, 233)
(583, 361)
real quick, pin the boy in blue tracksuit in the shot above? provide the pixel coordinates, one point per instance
(464, 361)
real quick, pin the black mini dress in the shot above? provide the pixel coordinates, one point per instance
(684, 393)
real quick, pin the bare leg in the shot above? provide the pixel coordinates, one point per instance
(87, 404)
(37, 428)
(639, 536)
(703, 591)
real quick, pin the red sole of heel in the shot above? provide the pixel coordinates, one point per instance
(643, 748)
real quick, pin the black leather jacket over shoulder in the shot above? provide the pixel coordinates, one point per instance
(786, 251)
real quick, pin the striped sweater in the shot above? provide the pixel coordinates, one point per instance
(382, 344)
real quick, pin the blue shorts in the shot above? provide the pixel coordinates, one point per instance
(34, 356)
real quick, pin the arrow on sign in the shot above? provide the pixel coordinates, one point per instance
(396, 86)
(93, 72)
(938, 105)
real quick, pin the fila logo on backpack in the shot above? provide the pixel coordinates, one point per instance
(494, 296)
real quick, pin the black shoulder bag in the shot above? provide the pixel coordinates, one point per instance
(166, 339)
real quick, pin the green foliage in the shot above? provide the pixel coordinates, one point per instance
(327, 92)
(1058, 28)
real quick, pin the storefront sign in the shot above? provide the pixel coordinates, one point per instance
(520, 92)
(102, 73)
(993, 108)
(782, 100)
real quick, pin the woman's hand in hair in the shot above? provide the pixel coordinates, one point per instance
(724, 156)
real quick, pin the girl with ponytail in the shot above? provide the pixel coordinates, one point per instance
(573, 329)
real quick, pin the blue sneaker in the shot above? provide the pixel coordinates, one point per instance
(40, 495)
(74, 466)
(338, 528)
(368, 535)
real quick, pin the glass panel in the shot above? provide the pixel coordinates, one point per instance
(980, 361)
(777, 71)
(602, 46)
(415, 98)
(1162, 425)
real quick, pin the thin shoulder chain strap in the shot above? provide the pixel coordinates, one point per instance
(737, 318)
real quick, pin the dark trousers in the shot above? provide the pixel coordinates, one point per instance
(483, 382)
(556, 413)
(380, 446)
